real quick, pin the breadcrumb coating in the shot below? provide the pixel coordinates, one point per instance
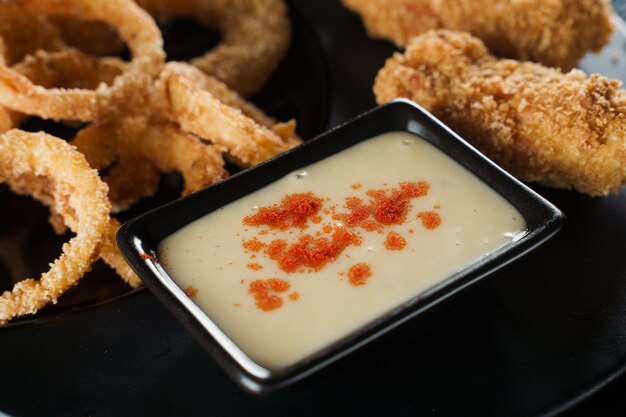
(559, 130)
(556, 33)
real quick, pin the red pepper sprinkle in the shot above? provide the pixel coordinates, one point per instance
(385, 206)
(430, 219)
(395, 241)
(294, 210)
(254, 266)
(311, 252)
(264, 292)
(191, 292)
(359, 273)
(254, 244)
(276, 248)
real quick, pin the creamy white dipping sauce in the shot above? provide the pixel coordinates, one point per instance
(208, 257)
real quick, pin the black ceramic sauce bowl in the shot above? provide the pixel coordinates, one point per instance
(142, 236)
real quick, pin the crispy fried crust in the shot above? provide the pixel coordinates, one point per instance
(191, 99)
(51, 171)
(560, 130)
(135, 26)
(139, 148)
(255, 37)
(556, 33)
(24, 33)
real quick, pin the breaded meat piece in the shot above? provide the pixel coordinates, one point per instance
(559, 130)
(556, 33)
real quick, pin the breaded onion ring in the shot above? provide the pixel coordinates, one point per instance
(285, 130)
(141, 149)
(135, 27)
(70, 68)
(89, 36)
(131, 146)
(6, 120)
(111, 255)
(188, 100)
(23, 34)
(74, 191)
(255, 37)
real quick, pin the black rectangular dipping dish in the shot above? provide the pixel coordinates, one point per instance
(139, 238)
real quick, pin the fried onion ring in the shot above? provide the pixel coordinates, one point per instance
(188, 99)
(135, 27)
(23, 34)
(111, 255)
(134, 145)
(285, 130)
(74, 191)
(141, 149)
(89, 36)
(70, 68)
(6, 120)
(255, 37)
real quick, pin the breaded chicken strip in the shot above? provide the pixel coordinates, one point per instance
(560, 130)
(556, 33)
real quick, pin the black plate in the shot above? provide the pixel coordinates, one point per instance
(529, 341)
(143, 235)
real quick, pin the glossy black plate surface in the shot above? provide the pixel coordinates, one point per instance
(529, 341)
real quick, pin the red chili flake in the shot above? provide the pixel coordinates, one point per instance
(264, 292)
(191, 292)
(430, 219)
(391, 210)
(359, 212)
(276, 248)
(254, 244)
(254, 266)
(395, 241)
(312, 252)
(301, 207)
(356, 186)
(146, 256)
(359, 273)
(294, 296)
(370, 226)
(294, 210)
(414, 189)
(386, 206)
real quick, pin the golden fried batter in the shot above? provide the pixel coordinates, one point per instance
(560, 130)
(255, 37)
(553, 32)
